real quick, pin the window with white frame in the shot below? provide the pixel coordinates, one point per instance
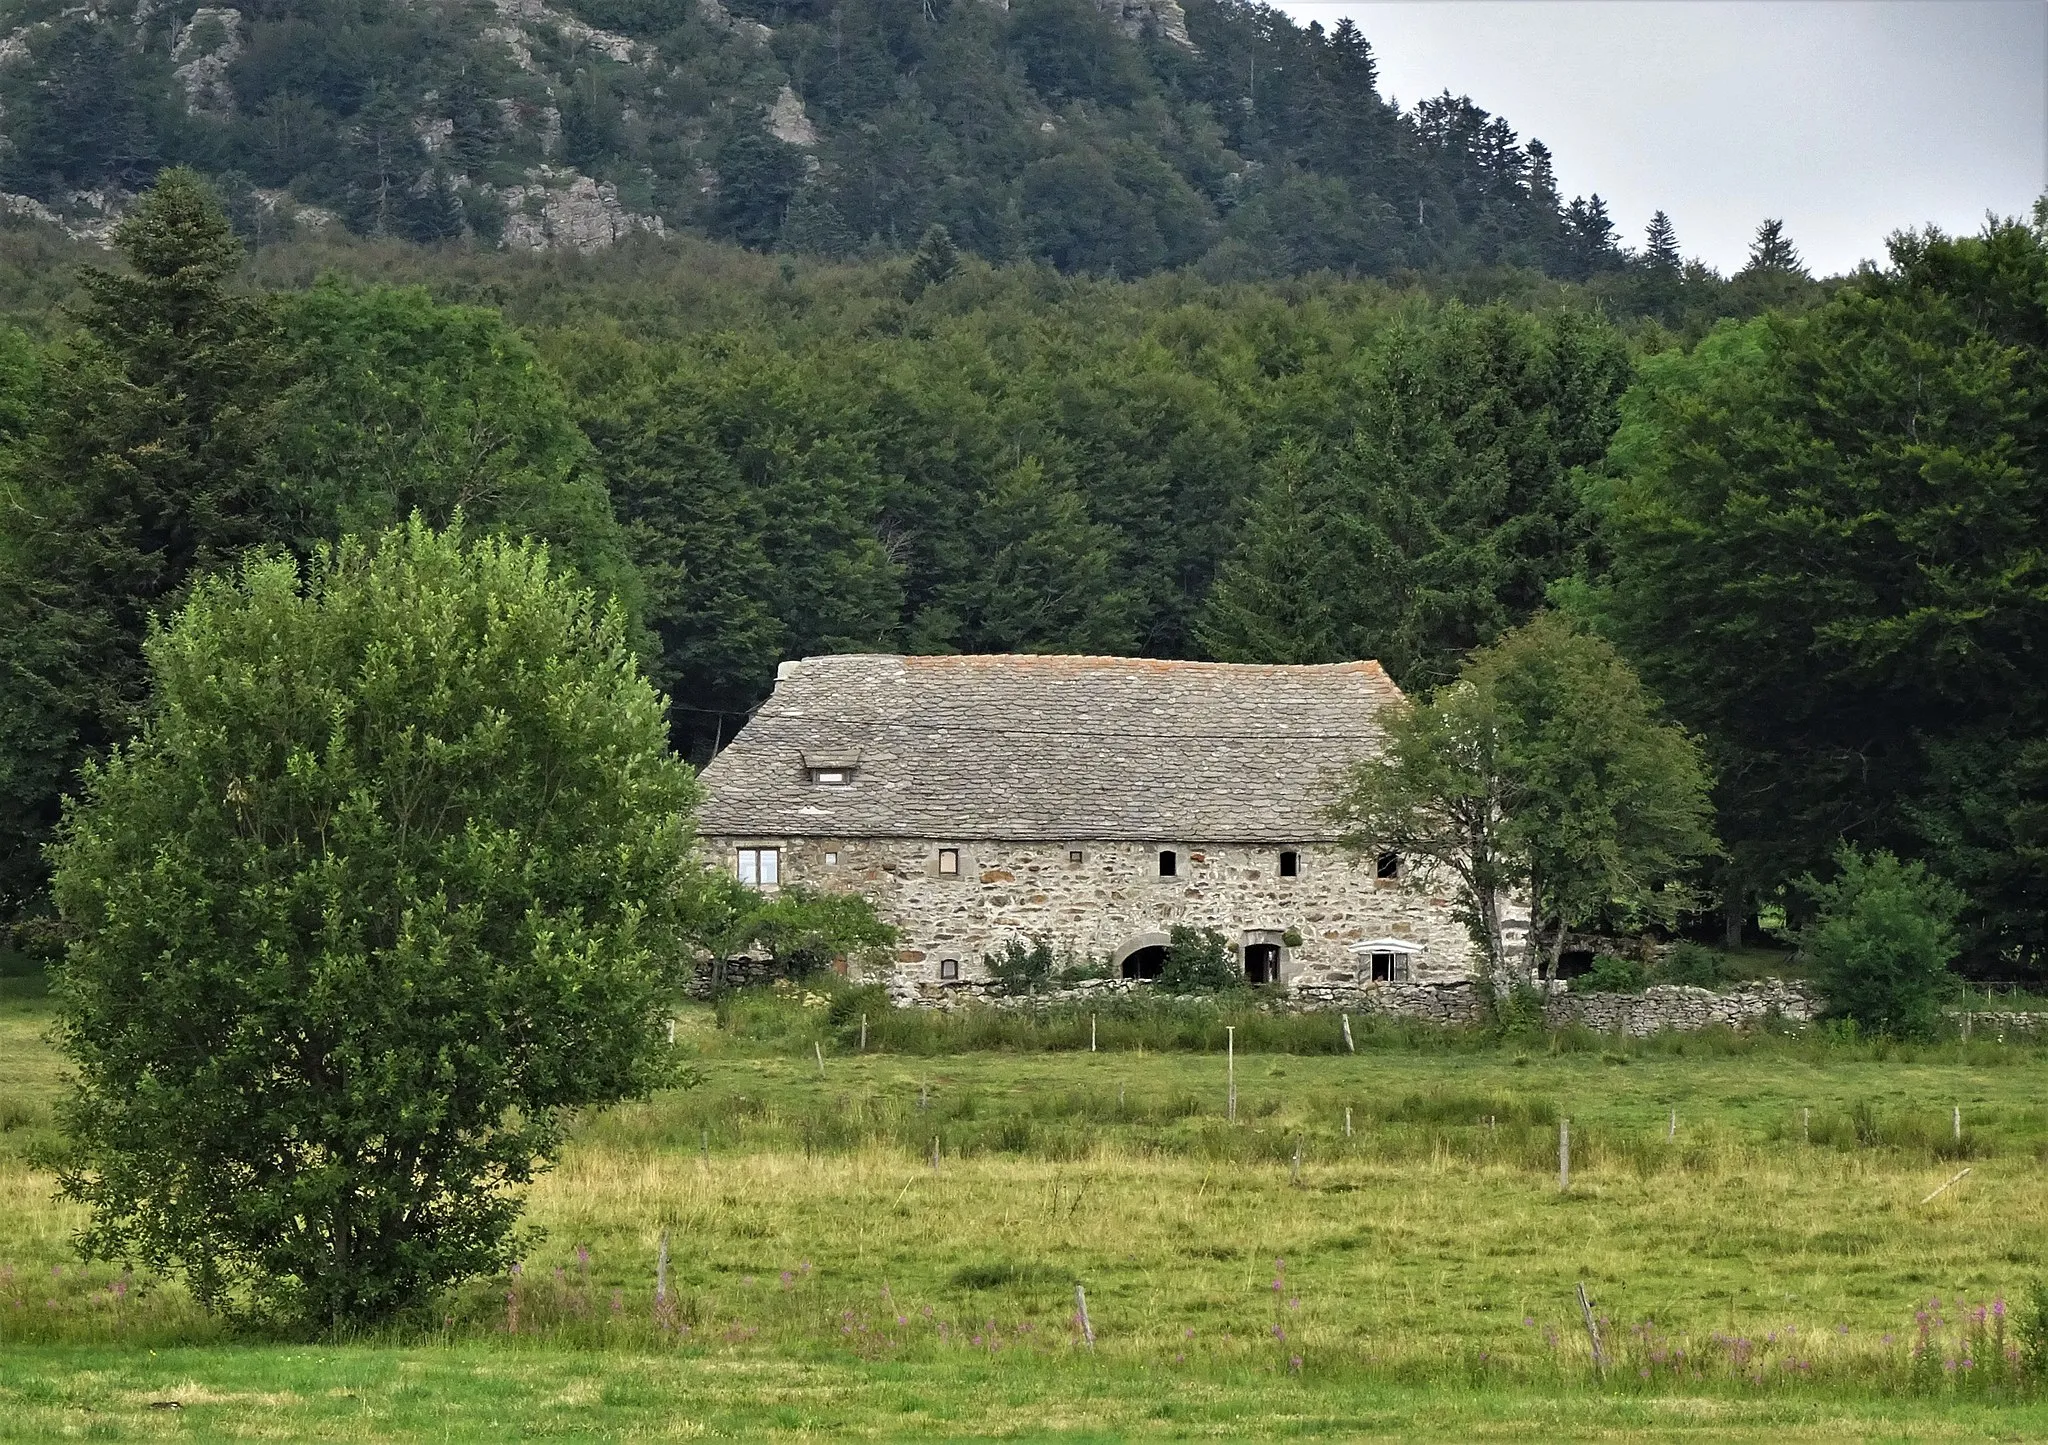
(760, 867)
(949, 862)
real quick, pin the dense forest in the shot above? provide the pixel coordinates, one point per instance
(1116, 138)
(1816, 532)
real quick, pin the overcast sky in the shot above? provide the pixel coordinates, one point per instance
(1847, 118)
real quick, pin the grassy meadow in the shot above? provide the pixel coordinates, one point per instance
(1769, 1271)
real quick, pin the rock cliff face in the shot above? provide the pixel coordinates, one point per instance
(1164, 17)
(564, 209)
(205, 49)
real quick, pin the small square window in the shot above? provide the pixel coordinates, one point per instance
(949, 968)
(1290, 863)
(1169, 863)
(949, 862)
(1073, 855)
(1390, 968)
(831, 859)
(760, 867)
(1388, 865)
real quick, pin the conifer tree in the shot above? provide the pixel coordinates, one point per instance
(1660, 249)
(936, 260)
(1773, 251)
(140, 469)
(1271, 602)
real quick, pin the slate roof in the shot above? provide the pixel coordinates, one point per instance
(1033, 748)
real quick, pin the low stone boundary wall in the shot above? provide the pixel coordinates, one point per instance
(1997, 1023)
(1678, 1006)
(1440, 1003)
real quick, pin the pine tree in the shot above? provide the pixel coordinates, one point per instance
(1660, 249)
(1270, 602)
(936, 260)
(141, 469)
(1773, 252)
(814, 227)
(432, 211)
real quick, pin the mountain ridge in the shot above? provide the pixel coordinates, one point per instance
(1114, 137)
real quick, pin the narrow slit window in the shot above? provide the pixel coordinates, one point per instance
(760, 867)
(1169, 863)
(1290, 863)
(1388, 865)
(949, 968)
(949, 862)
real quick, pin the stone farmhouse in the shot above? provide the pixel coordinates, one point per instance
(1093, 802)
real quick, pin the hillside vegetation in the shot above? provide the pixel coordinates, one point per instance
(1118, 138)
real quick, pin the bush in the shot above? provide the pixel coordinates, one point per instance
(1020, 970)
(1198, 960)
(1612, 974)
(393, 879)
(1882, 942)
(1695, 965)
(2031, 1331)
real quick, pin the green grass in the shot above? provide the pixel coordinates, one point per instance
(827, 1277)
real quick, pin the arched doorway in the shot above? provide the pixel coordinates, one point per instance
(1142, 955)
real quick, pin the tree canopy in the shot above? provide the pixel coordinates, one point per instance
(396, 872)
(1824, 542)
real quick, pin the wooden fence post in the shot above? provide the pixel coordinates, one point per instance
(1230, 1071)
(1349, 1047)
(1081, 1308)
(1564, 1155)
(1592, 1329)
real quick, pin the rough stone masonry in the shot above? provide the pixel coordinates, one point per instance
(1090, 802)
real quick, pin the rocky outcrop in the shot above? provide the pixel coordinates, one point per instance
(714, 13)
(564, 208)
(1164, 18)
(84, 216)
(788, 123)
(518, 14)
(206, 47)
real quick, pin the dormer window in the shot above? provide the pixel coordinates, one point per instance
(831, 767)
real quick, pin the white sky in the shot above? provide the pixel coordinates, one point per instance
(1849, 119)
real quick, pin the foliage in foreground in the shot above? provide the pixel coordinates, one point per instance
(393, 877)
(1883, 942)
(1545, 770)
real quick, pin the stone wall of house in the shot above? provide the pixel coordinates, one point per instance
(1112, 900)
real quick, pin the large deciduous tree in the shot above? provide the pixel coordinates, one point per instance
(393, 877)
(1828, 544)
(1543, 770)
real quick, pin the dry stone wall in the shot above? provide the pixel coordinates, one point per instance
(1112, 900)
(1676, 1006)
